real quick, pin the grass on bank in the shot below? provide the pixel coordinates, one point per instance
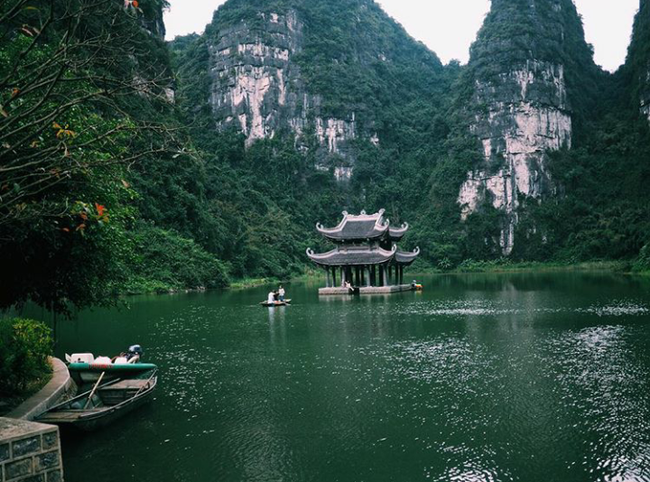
(10, 401)
(505, 266)
(25, 348)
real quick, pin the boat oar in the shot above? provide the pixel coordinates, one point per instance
(146, 385)
(94, 389)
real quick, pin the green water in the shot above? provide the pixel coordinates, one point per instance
(527, 377)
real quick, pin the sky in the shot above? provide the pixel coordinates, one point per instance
(448, 27)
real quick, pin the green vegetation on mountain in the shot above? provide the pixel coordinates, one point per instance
(108, 185)
(84, 116)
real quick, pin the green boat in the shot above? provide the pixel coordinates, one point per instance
(84, 373)
(84, 368)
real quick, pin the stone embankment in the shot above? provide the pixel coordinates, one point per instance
(29, 451)
(60, 385)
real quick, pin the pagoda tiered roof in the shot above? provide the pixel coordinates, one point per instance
(353, 256)
(364, 227)
(363, 256)
(364, 240)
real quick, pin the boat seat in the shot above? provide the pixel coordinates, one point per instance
(122, 384)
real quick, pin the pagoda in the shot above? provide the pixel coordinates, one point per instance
(366, 255)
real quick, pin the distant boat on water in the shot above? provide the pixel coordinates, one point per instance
(276, 303)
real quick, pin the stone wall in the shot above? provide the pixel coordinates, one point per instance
(29, 452)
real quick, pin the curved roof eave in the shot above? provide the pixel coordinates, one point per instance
(402, 257)
(353, 257)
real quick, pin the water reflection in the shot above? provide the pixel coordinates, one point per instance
(497, 377)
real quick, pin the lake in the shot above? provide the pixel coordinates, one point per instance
(489, 377)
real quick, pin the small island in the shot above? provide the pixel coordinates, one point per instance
(366, 259)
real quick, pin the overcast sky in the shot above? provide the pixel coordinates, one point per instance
(448, 27)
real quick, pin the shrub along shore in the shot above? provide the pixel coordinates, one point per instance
(25, 346)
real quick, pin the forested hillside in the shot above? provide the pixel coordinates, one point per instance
(85, 118)
(503, 157)
(330, 89)
(128, 164)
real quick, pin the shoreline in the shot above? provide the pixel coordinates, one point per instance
(478, 267)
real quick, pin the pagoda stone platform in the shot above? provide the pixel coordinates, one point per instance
(366, 290)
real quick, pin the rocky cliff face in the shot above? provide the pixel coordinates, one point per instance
(638, 61)
(324, 73)
(519, 107)
(257, 87)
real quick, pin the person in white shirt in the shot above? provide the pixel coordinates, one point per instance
(281, 293)
(271, 297)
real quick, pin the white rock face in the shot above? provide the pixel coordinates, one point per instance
(258, 88)
(333, 131)
(527, 115)
(343, 173)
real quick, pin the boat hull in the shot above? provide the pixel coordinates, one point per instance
(277, 303)
(88, 420)
(84, 373)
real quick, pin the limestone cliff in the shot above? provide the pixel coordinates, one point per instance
(520, 107)
(325, 73)
(256, 85)
(637, 66)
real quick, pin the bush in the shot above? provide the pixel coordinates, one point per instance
(642, 263)
(167, 261)
(25, 346)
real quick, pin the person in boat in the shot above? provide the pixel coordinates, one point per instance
(132, 355)
(271, 297)
(281, 293)
(134, 352)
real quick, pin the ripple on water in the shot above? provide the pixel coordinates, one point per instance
(492, 308)
(361, 390)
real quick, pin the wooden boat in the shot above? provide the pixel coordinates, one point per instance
(276, 303)
(102, 405)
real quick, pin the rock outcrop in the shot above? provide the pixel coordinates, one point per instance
(257, 85)
(519, 107)
(638, 60)
(328, 74)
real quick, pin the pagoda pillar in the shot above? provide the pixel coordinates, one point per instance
(343, 277)
(366, 272)
(327, 281)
